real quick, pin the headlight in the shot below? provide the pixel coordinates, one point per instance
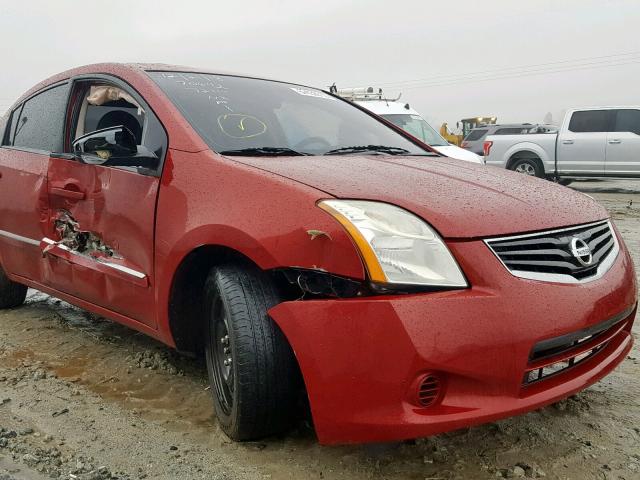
(396, 246)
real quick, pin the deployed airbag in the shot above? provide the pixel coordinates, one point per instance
(99, 95)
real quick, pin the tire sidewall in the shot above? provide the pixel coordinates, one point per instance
(214, 294)
(265, 373)
(535, 164)
(11, 294)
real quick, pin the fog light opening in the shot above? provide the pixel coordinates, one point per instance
(429, 389)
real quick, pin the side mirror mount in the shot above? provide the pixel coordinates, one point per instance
(114, 147)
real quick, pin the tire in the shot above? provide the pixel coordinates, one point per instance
(11, 294)
(528, 166)
(564, 181)
(255, 392)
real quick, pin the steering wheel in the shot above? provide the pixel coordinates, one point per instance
(310, 141)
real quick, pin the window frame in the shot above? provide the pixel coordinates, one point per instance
(71, 118)
(614, 121)
(20, 107)
(509, 131)
(485, 132)
(7, 128)
(608, 124)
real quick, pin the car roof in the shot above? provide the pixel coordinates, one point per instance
(610, 107)
(117, 69)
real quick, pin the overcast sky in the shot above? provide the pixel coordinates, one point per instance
(448, 59)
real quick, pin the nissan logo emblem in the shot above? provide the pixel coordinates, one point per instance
(581, 251)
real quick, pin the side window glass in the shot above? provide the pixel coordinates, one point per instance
(509, 131)
(589, 121)
(105, 105)
(627, 121)
(40, 124)
(475, 135)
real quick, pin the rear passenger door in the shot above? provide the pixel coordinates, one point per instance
(623, 143)
(582, 145)
(34, 130)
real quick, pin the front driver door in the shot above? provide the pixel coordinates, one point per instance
(581, 146)
(101, 219)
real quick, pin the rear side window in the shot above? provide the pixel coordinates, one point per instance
(39, 124)
(508, 131)
(590, 121)
(627, 121)
(475, 135)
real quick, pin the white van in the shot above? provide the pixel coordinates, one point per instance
(405, 117)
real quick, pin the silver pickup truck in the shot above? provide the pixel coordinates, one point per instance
(591, 142)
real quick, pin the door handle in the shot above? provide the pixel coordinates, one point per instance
(615, 140)
(568, 142)
(67, 193)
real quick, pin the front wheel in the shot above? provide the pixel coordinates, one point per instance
(252, 370)
(528, 166)
(11, 294)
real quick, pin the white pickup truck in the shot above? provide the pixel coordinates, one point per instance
(591, 142)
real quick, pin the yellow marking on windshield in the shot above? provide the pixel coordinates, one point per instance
(240, 125)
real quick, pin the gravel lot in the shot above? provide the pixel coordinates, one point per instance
(84, 398)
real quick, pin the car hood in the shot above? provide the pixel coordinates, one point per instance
(452, 151)
(460, 199)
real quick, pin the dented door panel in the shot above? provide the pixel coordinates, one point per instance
(23, 210)
(99, 236)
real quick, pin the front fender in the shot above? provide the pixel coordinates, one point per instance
(531, 147)
(206, 200)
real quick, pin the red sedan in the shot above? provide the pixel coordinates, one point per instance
(311, 250)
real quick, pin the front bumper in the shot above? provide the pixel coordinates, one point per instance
(361, 358)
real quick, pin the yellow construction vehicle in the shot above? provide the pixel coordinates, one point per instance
(463, 127)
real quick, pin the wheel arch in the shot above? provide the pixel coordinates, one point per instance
(182, 266)
(186, 305)
(527, 150)
(185, 300)
(522, 154)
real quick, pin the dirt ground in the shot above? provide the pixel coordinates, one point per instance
(84, 398)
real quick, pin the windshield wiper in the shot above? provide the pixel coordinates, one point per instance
(263, 152)
(368, 148)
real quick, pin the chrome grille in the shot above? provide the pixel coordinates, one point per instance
(552, 256)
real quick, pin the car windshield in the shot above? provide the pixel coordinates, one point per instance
(248, 116)
(418, 127)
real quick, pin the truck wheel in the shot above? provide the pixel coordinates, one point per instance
(252, 369)
(528, 166)
(11, 294)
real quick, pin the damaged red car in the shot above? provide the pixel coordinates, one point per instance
(311, 251)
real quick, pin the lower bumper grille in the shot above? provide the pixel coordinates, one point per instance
(553, 356)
